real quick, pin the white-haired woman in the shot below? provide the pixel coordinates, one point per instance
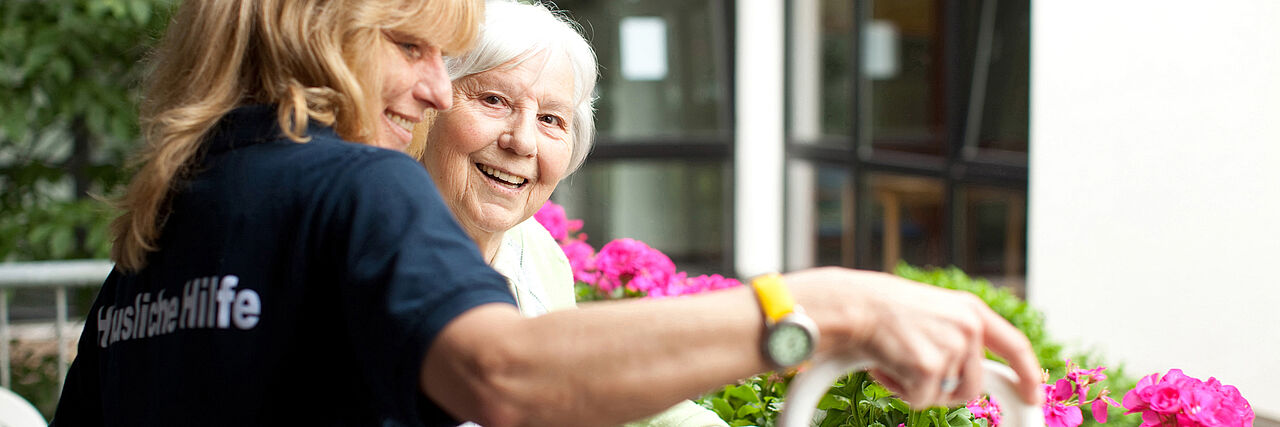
(521, 121)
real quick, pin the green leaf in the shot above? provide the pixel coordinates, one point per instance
(835, 418)
(960, 417)
(61, 242)
(875, 391)
(899, 405)
(36, 58)
(722, 408)
(141, 11)
(747, 410)
(745, 393)
(832, 401)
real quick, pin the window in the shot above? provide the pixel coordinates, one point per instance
(907, 133)
(660, 169)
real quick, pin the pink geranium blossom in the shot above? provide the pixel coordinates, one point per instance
(1176, 399)
(581, 261)
(985, 407)
(623, 268)
(553, 218)
(1060, 415)
(683, 285)
(1064, 397)
(631, 263)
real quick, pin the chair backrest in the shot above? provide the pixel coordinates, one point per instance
(808, 387)
(17, 412)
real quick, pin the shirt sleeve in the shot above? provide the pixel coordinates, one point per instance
(409, 270)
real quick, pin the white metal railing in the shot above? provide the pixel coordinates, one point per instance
(56, 275)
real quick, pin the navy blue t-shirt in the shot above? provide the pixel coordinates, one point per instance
(295, 284)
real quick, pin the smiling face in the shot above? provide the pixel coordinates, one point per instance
(499, 152)
(413, 81)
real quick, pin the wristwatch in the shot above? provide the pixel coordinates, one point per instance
(790, 336)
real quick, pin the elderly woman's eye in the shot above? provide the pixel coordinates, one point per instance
(491, 99)
(553, 120)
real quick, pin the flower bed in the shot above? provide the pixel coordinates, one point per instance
(626, 268)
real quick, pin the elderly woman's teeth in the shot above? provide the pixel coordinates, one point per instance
(403, 122)
(504, 178)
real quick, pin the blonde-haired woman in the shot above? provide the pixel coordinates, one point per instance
(258, 275)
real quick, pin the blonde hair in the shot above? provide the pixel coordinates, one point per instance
(514, 32)
(308, 58)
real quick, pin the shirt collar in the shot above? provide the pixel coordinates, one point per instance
(253, 124)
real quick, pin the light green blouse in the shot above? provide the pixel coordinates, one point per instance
(542, 282)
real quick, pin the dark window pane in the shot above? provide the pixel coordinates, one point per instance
(663, 67)
(678, 207)
(907, 220)
(819, 215)
(1004, 110)
(991, 230)
(904, 71)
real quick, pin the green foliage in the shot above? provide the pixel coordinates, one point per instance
(857, 400)
(35, 378)
(69, 74)
(55, 230)
(584, 292)
(754, 402)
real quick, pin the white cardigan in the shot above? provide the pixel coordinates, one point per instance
(542, 281)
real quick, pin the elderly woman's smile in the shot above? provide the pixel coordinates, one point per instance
(505, 179)
(497, 155)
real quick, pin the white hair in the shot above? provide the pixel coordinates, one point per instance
(513, 32)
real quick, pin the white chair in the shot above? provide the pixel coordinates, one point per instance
(17, 412)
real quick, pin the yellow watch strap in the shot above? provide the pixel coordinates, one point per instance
(775, 298)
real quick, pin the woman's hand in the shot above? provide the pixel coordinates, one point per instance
(918, 335)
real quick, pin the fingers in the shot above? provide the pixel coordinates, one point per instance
(971, 375)
(1008, 342)
(917, 334)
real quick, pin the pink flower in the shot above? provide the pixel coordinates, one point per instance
(581, 261)
(1099, 411)
(1134, 401)
(1059, 415)
(1061, 391)
(706, 283)
(631, 263)
(984, 407)
(1201, 405)
(1164, 398)
(1178, 399)
(553, 218)
(1100, 406)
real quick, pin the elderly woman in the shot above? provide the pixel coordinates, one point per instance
(521, 121)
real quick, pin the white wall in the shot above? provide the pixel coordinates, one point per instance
(1155, 185)
(758, 145)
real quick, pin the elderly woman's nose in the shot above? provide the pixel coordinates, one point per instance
(521, 138)
(434, 87)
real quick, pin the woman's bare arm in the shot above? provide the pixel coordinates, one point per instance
(613, 362)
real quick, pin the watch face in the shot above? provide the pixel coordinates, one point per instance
(789, 344)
